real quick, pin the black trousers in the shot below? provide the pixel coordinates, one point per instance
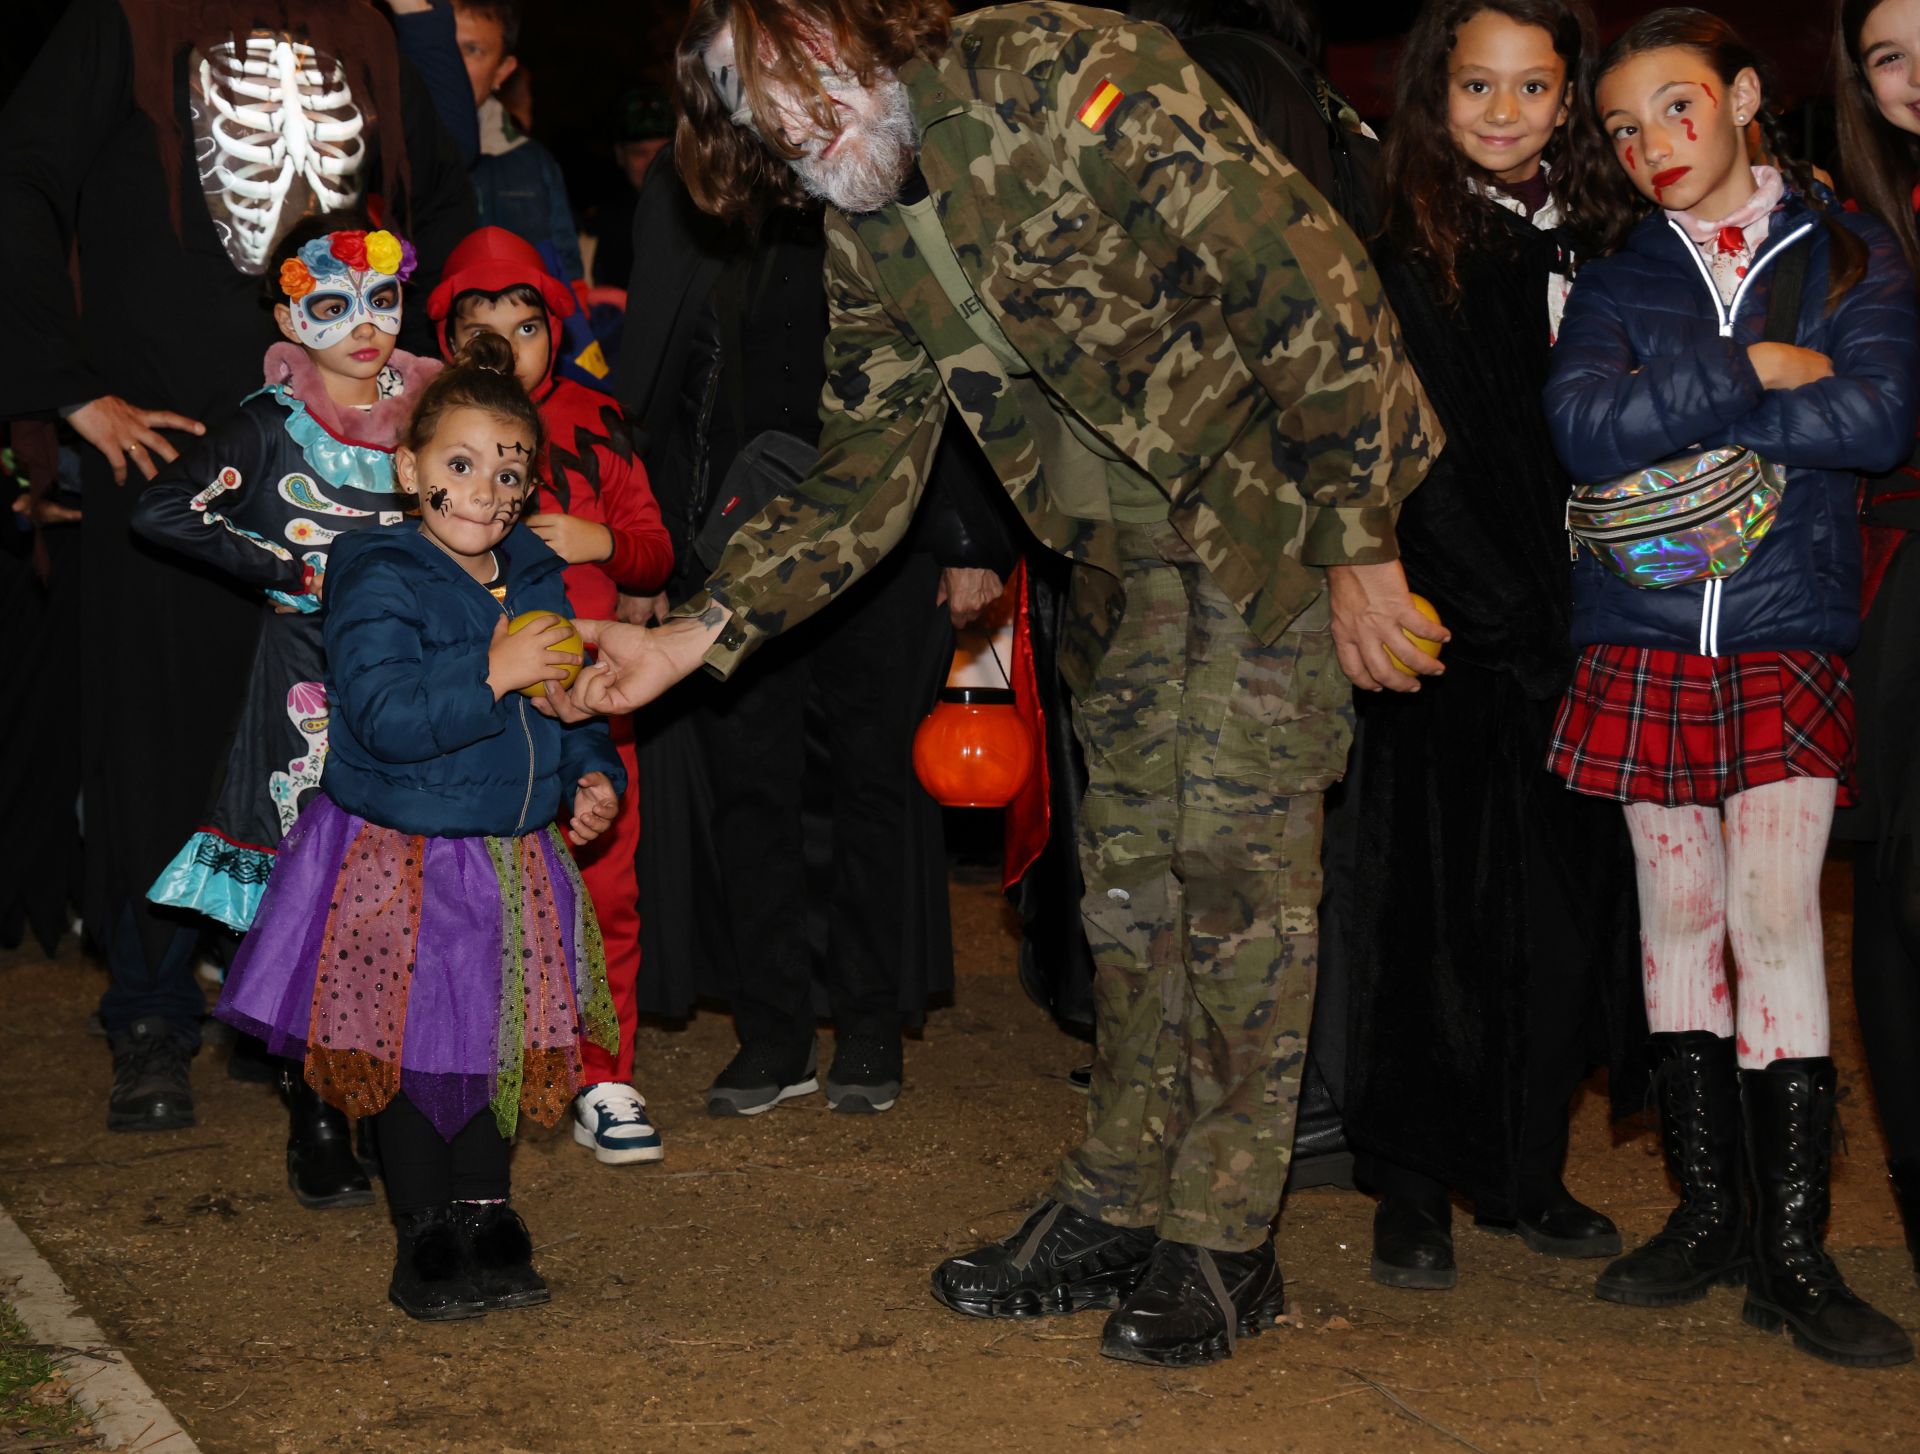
(422, 1169)
(1886, 986)
(862, 665)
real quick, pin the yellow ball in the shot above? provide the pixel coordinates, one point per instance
(1421, 643)
(570, 642)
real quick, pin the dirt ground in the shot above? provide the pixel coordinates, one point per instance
(766, 1287)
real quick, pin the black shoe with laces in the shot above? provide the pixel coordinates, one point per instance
(499, 1255)
(1060, 1261)
(865, 1075)
(1194, 1305)
(151, 1089)
(758, 1078)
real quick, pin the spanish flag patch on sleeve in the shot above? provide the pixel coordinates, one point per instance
(1100, 105)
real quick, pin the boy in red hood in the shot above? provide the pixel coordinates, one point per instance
(597, 513)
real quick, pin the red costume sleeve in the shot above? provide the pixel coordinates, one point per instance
(642, 550)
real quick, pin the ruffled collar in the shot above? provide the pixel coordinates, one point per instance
(288, 367)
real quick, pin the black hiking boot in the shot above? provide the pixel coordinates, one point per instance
(151, 1089)
(1413, 1242)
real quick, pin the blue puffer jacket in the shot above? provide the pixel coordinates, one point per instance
(417, 741)
(1650, 364)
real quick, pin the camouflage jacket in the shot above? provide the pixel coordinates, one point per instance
(1169, 278)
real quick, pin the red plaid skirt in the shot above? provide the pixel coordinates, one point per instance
(1668, 727)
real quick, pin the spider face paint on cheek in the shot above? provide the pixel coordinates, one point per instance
(437, 500)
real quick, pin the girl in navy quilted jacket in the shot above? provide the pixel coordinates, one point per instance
(1718, 711)
(425, 943)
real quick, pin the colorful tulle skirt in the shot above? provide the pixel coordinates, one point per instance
(464, 972)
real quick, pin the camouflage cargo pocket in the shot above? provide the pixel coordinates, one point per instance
(1288, 719)
(1074, 265)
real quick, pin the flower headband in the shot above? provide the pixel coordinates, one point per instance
(338, 252)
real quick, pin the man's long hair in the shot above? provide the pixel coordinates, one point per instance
(729, 170)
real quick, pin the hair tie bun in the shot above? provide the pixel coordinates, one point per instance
(487, 351)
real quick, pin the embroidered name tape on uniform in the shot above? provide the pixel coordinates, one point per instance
(1100, 105)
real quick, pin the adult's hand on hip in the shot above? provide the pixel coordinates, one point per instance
(1371, 608)
(635, 665)
(123, 432)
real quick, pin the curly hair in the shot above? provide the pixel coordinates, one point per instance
(1720, 46)
(1431, 210)
(730, 171)
(1880, 162)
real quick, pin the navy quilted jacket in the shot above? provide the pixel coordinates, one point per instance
(1650, 364)
(417, 741)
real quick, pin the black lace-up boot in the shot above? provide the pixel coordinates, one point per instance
(1704, 1243)
(1793, 1283)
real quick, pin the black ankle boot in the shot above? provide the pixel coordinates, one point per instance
(430, 1277)
(1556, 1223)
(321, 1167)
(1193, 1305)
(1060, 1261)
(1905, 1176)
(499, 1253)
(1792, 1282)
(1704, 1243)
(1413, 1242)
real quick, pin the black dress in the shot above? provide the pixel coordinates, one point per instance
(1491, 940)
(164, 320)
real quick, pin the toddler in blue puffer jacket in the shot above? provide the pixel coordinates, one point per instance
(425, 944)
(1718, 710)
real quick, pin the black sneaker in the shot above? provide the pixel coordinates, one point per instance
(865, 1075)
(1060, 1261)
(151, 1090)
(1194, 1305)
(757, 1080)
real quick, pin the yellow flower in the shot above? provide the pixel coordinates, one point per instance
(383, 252)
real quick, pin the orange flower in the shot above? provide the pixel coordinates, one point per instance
(295, 281)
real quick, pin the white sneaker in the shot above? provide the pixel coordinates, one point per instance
(612, 1119)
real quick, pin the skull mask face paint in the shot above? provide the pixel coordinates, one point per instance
(342, 280)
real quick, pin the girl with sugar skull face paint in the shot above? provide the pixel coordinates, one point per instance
(306, 459)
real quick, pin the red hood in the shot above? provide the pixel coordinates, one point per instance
(492, 260)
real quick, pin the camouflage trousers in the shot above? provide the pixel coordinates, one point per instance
(1207, 754)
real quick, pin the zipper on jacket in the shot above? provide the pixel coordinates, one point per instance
(526, 798)
(1726, 312)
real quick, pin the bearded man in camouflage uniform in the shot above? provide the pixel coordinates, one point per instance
(1180, 365)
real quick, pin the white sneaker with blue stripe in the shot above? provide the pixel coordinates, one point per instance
(612, 1119)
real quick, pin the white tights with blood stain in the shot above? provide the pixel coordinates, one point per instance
(1749, 871)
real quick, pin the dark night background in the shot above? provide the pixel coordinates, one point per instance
(581, 53)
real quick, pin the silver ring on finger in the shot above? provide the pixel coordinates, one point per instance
(133, 449)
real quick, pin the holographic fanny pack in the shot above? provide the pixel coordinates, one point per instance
(1697, 517)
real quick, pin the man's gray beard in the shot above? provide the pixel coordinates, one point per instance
(867, 176)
